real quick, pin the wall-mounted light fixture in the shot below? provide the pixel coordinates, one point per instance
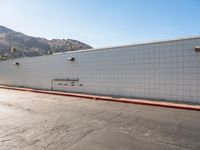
(71, 59)
(197, 48)
(16, 63)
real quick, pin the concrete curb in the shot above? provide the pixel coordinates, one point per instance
(107, 98)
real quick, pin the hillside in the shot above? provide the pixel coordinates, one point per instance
(15, 44)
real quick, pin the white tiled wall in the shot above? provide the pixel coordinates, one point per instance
(165, 70)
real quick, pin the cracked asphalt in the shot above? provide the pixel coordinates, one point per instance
(32, 121)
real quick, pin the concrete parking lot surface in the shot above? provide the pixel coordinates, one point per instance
(32, 121)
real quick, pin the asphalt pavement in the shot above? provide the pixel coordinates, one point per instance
(33, 121)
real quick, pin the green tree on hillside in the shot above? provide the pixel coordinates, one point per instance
(2, 57)
(13, 52)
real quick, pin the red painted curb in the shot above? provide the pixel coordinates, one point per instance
(107, 98)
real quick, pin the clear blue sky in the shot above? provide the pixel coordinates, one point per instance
(103, 22)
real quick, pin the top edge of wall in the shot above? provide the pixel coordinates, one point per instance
(140, 43)
(111, 47)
